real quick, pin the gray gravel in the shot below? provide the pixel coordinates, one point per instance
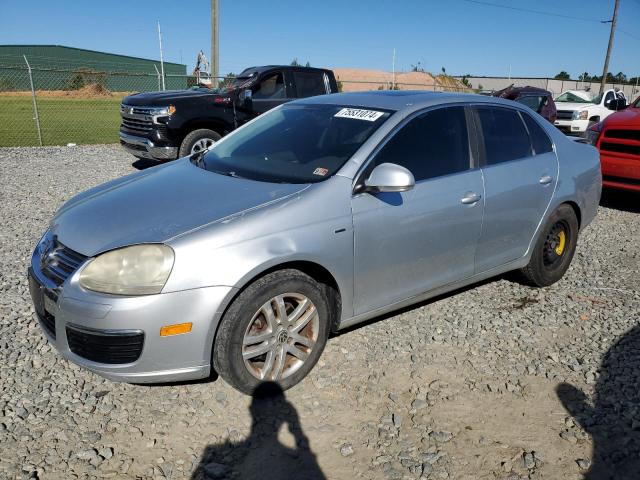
(472, 385)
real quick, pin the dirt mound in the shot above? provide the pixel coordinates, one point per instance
(90, 91)
(355, 79)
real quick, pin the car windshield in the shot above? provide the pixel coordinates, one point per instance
(573, 98)
(636, 104)
(294, 143)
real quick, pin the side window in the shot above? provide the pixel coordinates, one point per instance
(540, 140)
(607, 99)
(309, 84)
(505, 137)
(431, 145)
(270, 87)
(534, 102)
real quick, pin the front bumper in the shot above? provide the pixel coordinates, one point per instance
(620, 172)
(65, 310)
(572, 127)
(144, 148)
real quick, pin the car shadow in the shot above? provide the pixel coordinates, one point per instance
(144, 163)
(620, 200)
(261, 455)
(613, 419)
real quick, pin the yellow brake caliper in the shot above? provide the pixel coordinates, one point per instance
(562, 240)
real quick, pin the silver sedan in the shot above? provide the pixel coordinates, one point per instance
(320, 214)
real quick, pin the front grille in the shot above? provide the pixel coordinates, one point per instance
(60, 262)
(48, 322)
(620, 148)
(623, 134)
(137, 124)
(104, 346)
(628, 181)
(565, 114)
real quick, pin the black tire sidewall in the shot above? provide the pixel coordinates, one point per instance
(192, 137)
(227, 350)
(543, 274)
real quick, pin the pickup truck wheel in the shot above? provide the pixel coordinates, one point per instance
(274, 331)
(198, 141)
(554, 249)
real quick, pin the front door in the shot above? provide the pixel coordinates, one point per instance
(520, 171)
(411, 242)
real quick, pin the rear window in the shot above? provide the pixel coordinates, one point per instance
(309, 84)
(294, 143)
(505, 136)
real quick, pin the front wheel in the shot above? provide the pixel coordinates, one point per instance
(554, 249)
(274, 331)
(198, 141)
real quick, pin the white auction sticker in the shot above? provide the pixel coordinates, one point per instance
(359, 114)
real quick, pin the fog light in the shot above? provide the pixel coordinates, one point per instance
(176, 329)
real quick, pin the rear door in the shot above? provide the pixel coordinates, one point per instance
(520, 171)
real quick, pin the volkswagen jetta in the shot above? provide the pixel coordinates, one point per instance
(320, 214)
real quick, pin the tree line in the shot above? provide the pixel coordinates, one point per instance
(611, 78)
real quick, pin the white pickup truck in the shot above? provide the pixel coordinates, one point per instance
(578, 110)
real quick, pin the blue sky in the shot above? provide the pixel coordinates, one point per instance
(463, 36)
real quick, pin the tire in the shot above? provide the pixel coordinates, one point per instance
(190, 143)
(552, 253)
(246, 318)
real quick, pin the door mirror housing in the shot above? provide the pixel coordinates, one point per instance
(247, 98)
(389, 177)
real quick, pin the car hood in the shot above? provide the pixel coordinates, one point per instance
(156, 205)
(153, 99)
(628, 116)
(573, 105)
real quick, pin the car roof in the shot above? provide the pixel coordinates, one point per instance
(398, 100)
(263, 68)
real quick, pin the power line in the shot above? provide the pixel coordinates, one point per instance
(537, 12)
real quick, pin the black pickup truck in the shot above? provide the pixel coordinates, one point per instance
(172, 124)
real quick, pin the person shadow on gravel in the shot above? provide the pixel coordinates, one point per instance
(613, 421)
(262, 455)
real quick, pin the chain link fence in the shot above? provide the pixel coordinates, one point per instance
(58, 106)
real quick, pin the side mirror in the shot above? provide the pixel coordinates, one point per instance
(247, 98)
(389, 177)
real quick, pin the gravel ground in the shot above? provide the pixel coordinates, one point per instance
(475, 385)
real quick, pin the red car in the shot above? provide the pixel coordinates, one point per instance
(537, 99)
(617, 138)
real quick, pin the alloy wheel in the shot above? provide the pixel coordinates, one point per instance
(280, 336)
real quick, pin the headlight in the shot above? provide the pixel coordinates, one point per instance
(159, 111)
(581, 115)
(135, 270)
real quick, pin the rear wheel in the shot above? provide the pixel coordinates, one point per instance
(198, 141)
(554, 249)
(274, 331)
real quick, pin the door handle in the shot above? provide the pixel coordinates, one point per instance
(470, 198)
(546, 180)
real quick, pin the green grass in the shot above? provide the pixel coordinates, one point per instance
(62, 120)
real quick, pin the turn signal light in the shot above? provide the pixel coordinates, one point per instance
(176, 329)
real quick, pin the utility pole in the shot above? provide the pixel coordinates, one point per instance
(215, 50)
(161, 57)
(613, 21)
(393, 69)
